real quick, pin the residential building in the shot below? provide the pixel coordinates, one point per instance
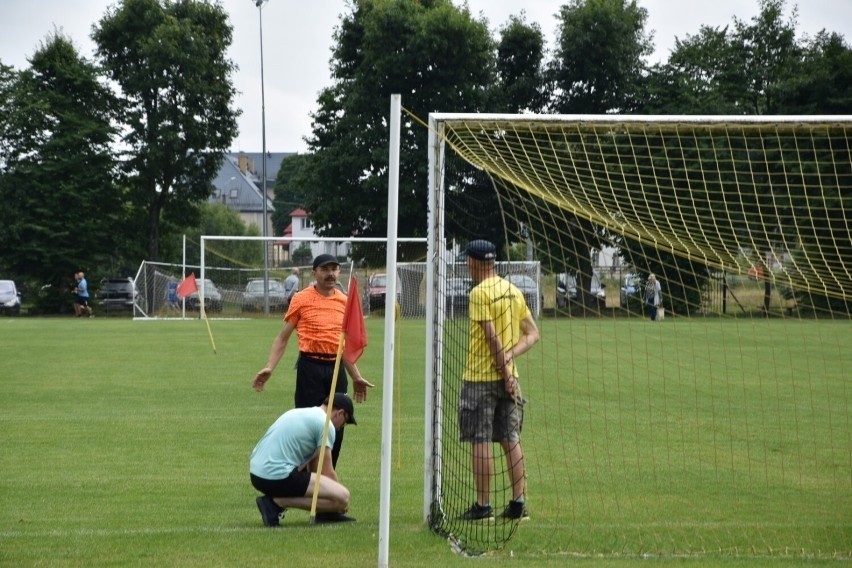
(301, 228)
(239, 186)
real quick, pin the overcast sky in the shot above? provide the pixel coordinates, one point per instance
(297, 36)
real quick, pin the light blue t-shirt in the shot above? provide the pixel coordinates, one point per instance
(289, 443)
(83, 288)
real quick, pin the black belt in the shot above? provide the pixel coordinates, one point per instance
(324, 357)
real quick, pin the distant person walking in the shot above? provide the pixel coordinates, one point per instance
(81, 292)
(291, 286)
(653, 296)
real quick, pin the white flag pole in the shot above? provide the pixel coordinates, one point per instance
(390, 331)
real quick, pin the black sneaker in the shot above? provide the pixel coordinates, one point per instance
(329, 517)
(270, 512)
(515, 510)
(478, 512)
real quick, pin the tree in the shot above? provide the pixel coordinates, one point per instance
(699, 78)
(61, 204)
(303, 255)
(432, 53)
(746, 68)
(822, 85)
(598, 62)
(287, 197)
(597, 69)
(169, 60)
(521, 82)
(219, 219)
(758, 67)
(8, 82)
(767, 57)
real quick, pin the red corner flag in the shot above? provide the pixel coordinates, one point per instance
(187, 286)
(353, 324)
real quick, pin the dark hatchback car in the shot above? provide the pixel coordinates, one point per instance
(212, 298)
(376, 290)
(117, 294)
(253, 296)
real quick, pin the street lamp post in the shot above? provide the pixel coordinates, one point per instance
(264, 229)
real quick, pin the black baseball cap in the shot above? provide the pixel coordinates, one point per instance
(481, 250)
(343, 402)
(324, 259)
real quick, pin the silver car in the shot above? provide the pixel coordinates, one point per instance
(529, 288)
(10, 298)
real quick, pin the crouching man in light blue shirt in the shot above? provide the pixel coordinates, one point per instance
(283, 463)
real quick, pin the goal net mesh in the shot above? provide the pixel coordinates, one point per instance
(707, 416)
(233, 277)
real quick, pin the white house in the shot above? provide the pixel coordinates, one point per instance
(300, 230)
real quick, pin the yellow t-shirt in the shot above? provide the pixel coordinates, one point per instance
(318, 320)
(498, 301)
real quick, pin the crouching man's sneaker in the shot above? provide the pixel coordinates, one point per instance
(270, 512)
(515, 510)
(478, 512)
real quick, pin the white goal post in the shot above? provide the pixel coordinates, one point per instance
(745, 220)
(410, 298)
(232, 275)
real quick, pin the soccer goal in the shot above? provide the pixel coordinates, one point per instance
(690, 392)
(232, 276)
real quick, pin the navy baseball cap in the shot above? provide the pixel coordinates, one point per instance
(481, 250)
(343, 402)
(324, 259)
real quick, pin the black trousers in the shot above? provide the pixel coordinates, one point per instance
(313, 385)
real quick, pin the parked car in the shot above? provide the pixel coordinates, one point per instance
(566, 289)
(598, 289)
(212, 297)
(253, 296)
(117, 294)
(529, 288)
(10, 298)
(631, 286)
(376, 290)
(458, 295)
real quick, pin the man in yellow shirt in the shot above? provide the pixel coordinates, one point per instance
(491, 407)
(316, 314)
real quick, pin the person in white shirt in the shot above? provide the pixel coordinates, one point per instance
(653, 296)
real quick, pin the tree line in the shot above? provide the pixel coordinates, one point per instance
(104, 163)
(442, 58)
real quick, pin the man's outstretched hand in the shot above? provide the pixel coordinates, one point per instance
(360, 385)
(260, 379)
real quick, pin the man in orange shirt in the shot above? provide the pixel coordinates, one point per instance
(316, 314)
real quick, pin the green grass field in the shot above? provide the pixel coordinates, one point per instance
(691, 442)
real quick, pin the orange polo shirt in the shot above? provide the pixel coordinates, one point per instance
(318, 320)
